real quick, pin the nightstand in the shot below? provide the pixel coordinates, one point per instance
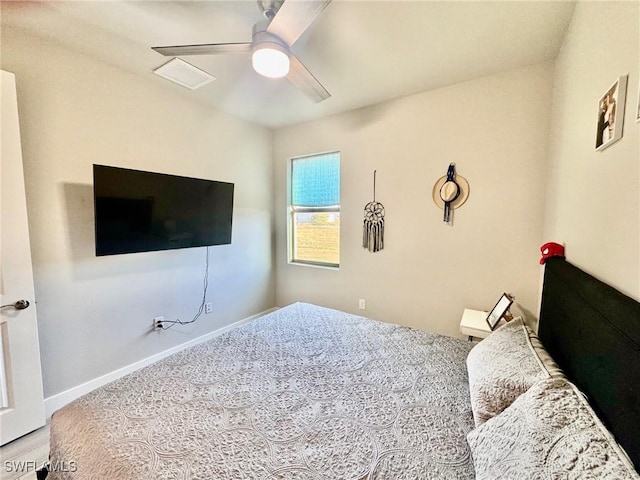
(474, 324)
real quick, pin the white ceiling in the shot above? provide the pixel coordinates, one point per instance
(364, 52)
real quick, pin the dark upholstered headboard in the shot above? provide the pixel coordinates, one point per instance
(593, 331)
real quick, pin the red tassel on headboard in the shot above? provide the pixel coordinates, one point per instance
(551, 249)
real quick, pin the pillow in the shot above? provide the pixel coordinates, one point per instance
(549, 432)
(505, 365)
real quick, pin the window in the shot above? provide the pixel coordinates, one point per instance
(314, 210)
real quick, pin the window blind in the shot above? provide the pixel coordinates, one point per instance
(315, 181)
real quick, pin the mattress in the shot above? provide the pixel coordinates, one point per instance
(304, 392)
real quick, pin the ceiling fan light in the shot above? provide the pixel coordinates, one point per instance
(270, 62)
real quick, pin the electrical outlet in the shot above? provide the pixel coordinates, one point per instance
(208, 307)
(157, 323)
(362, 305)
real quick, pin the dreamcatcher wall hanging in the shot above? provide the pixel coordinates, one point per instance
(450, 192)
(373, 228)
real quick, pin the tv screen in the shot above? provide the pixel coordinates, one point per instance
(137, 211)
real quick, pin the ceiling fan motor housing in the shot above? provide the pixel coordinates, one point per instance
(261, 38)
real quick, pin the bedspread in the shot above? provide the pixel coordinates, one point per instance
(303, 393)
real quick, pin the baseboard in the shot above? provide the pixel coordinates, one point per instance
(59, 400)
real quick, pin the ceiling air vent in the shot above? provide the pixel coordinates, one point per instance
(183, 73)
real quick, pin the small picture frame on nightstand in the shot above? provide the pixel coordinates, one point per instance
(499, 310)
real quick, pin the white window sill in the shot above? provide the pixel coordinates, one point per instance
(314, 265)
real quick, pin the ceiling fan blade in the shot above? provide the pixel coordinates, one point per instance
(294, 17)
(305, 81)
(205, 49)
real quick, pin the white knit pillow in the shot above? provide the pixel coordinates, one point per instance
(505, 365)
(548, 432)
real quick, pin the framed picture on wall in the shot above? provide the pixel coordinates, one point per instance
(611, 114)
(638, 106)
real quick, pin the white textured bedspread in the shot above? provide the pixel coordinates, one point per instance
(303, 393)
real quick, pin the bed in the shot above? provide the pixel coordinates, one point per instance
(312, 393)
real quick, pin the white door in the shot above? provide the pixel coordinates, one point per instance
(21, 397)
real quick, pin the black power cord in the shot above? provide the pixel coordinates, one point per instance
(173, 323)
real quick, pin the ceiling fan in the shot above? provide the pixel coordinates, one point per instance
(271, 44)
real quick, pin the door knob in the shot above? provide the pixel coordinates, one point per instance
(19, 305)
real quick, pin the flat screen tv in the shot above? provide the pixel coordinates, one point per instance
(137, 211)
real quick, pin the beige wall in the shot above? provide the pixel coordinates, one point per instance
(495, 129)
(593, 201)
(95, 314)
